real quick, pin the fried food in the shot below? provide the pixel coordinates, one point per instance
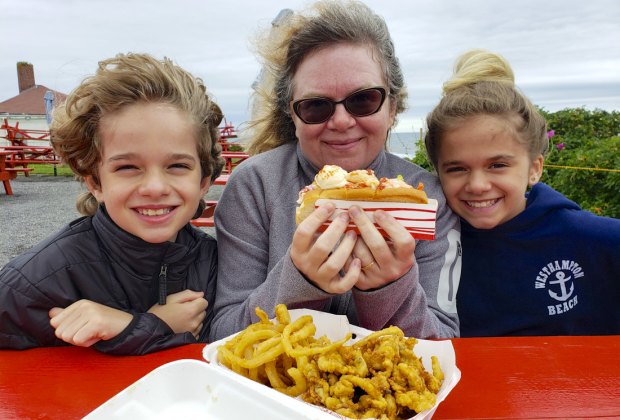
(378, 377)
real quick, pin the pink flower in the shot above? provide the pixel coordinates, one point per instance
(559, 146)
(550, 134)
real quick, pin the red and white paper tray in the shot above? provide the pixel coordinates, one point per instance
(337, 326)
(418, 219)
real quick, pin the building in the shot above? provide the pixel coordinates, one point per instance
(28, 108)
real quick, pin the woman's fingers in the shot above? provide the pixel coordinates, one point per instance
(310, 249)
(367, 229)
(401, 243)
(337, 259)
(382, 261)
(303, 238)
(321, 257)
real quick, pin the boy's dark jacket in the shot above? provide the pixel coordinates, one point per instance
(92, 258)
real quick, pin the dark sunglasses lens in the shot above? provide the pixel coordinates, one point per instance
(365, 102)
(313, 111)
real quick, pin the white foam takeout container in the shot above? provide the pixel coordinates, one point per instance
(335, 327)
(194, 389)
(418, 219)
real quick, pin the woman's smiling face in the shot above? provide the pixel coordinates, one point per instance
(335, 72)
(485, 171)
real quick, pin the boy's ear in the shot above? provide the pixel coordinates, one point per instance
(536, 168)
(94, 187)
(204, 185)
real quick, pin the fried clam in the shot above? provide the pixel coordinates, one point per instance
(388, 381)
(379, 376)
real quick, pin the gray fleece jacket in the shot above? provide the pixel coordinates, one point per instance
(255, 222)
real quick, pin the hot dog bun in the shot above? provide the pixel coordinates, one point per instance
(333, 182)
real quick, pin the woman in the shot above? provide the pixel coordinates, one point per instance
(329, 93)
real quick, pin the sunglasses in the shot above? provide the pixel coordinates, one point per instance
(359, 104)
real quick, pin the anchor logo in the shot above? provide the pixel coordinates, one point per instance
(561, 279)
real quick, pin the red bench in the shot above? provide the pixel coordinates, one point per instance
(206, 219)
(221, 180)
(18, 169)
(7, 174)
(22, 156)
(233, 159)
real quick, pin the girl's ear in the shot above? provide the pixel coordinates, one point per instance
(94, 187)
(536, 168)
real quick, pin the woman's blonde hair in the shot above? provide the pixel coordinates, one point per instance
(121, 81)
(483, 84)
(292, 37)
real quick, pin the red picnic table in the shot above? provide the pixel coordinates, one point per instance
(221, 180)
(17, 136)
(22, 156)
(206, 219)
(227, 145)
(7, 173)
(502, 377)
(233, 159)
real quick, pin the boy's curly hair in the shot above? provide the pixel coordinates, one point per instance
(121, 81)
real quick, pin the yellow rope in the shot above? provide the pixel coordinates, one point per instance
(581, 168)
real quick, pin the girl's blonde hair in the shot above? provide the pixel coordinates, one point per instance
(483, 84)
(121, 81)
(292, 38)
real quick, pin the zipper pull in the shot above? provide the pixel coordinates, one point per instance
(163, 292)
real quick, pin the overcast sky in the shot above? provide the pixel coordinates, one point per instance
(565, 53)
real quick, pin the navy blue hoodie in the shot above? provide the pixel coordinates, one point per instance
(552, 270)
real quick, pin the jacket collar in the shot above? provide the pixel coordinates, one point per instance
(139, 257)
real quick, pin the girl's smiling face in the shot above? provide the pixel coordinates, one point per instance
(149, 176)
(335, 72)
(485, 171)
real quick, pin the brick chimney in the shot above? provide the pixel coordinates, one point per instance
(25, 76)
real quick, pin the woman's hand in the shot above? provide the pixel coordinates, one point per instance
(381, 261)
(321, 257)
(85, 322)
(184, 311)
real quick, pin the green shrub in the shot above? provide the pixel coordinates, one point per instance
(235, 148)
(584, 141)
(421, 158)
(596, 191)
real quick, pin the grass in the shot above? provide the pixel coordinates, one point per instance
(46, 169)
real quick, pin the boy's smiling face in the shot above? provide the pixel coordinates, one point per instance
(485, 171)
(149, 174)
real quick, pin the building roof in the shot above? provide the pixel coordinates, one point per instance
(30, 101)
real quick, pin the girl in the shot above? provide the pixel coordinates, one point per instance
(132, 276)
(534, 263)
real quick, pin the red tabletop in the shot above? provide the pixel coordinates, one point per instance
(535, 377)
(531, 377)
